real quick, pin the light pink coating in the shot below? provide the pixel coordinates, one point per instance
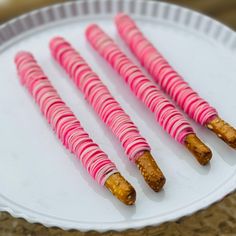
(98, 95)
(162, 72)
(165, 112)
(62, 120)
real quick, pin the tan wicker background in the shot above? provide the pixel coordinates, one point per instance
(217, 220)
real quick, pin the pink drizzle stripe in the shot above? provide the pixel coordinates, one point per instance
(98, 95)
(63, 121)
(168, 79)
(166, 114)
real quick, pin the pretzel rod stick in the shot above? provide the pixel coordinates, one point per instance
(223, 130)
(150, 171)
(171, 82)
(109, 110)
(69, 130)
(201, 152)
(121, 188)
(166, 114)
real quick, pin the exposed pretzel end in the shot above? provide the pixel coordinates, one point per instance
(121, 189)
(150, 171)
(223, 130)
(200, 151)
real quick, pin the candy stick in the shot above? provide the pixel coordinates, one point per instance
(166, 114)
(69, 130)
(171, 82)
(109, 110)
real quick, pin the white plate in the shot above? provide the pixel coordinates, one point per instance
(42, 182)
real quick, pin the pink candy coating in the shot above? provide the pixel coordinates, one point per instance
(166, 114)
(168, 79)
(98, 95)
(62, 120)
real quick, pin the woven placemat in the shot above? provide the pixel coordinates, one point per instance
(219, 219)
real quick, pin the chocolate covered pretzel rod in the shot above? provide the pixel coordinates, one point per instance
(109, 110)
(166, 114)
(69, 130)
(171, 82)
